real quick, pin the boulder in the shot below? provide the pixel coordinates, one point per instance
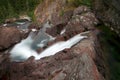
(61, 17)
(82, 20)
(33, 26)
(57, 11)
(80, 10)
(56, 30)
(8, 37)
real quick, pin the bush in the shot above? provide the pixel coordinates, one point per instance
(13, 8)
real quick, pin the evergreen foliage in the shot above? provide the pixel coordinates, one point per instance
(12, 8)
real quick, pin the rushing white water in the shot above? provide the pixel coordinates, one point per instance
(46, 25)
(62, 32)
(5, 24)
(24, 50)
(20, 23)
(42, 43)
(59, 46)
(34, 30)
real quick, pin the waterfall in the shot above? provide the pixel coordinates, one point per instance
(24, 50)
(27, 47)
(59, 46)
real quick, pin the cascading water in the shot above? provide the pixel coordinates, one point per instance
(23, 50)
(59, 46)
(27, 47)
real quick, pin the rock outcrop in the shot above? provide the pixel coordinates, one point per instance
(108, 11)
(84, 61)
(8, 37)
(54, 10)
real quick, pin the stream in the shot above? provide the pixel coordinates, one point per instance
(27, 47)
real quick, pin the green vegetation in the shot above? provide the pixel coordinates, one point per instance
(62, 12)
(72, 4)
(13, 8)
(111, 43)
(79, 2)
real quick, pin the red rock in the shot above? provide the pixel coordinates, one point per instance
(40, 50)
(79, 62)
(59, 38)
(58, 18)
(9, 37)
(74, 27)
(80, 10)
(55, 11)
(88, 20)
(34, 26)
(50, 43)
(54, 31)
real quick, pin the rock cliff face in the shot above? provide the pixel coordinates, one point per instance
(108, 11)
(84, 61)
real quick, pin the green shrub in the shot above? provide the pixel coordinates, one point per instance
(13, 8)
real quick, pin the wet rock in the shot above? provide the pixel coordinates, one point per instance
(59, 38)
(56, 30)
(33, 26)
(9, 37)
(75, 63)
(40, 50)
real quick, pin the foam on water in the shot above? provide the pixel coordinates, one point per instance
(23, 50)
(62, 32)
(59, 46)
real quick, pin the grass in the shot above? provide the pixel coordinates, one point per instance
(14, 8)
